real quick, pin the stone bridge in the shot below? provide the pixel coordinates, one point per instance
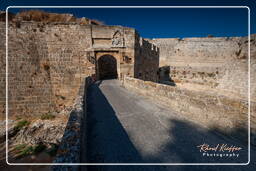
(124, 127)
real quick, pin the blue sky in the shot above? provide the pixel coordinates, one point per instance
(171, 22)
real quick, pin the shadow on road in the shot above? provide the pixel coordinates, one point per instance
(186, 137)
(109, 142)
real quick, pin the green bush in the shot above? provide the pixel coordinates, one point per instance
(20, 146)
(21, 124)
(47, 116)
(52, 151)
(24, 150)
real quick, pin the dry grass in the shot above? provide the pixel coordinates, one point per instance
(42, 16)
(33, 15)
(47, 116)
(97, 22)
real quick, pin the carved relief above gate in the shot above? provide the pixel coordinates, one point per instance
(118, 39)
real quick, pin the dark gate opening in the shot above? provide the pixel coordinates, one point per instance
(107, 67)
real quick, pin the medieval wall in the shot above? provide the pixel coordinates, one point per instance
(46, 66)
(146, 60)
(48, 62)
(220, 63)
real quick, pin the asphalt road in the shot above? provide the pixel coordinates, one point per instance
(123, 127)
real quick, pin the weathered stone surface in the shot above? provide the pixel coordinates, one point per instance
(11, 131)
(41, 131)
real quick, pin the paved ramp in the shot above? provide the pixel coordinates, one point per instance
(127, 128)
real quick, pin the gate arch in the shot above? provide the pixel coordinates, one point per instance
(107, 67)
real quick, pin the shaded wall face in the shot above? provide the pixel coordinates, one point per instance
(107, 66)
(147, 60)
(164, 73)
(216, 62)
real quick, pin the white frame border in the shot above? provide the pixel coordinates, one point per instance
(249, 99)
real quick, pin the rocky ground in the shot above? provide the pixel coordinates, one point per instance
(32, 140)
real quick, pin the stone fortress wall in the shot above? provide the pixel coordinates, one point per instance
(220, 62)
(48, 62)
(46, 67)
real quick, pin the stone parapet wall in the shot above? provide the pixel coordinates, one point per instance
(225, 114)
(71, 149)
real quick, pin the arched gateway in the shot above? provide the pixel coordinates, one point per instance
(107, 67)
